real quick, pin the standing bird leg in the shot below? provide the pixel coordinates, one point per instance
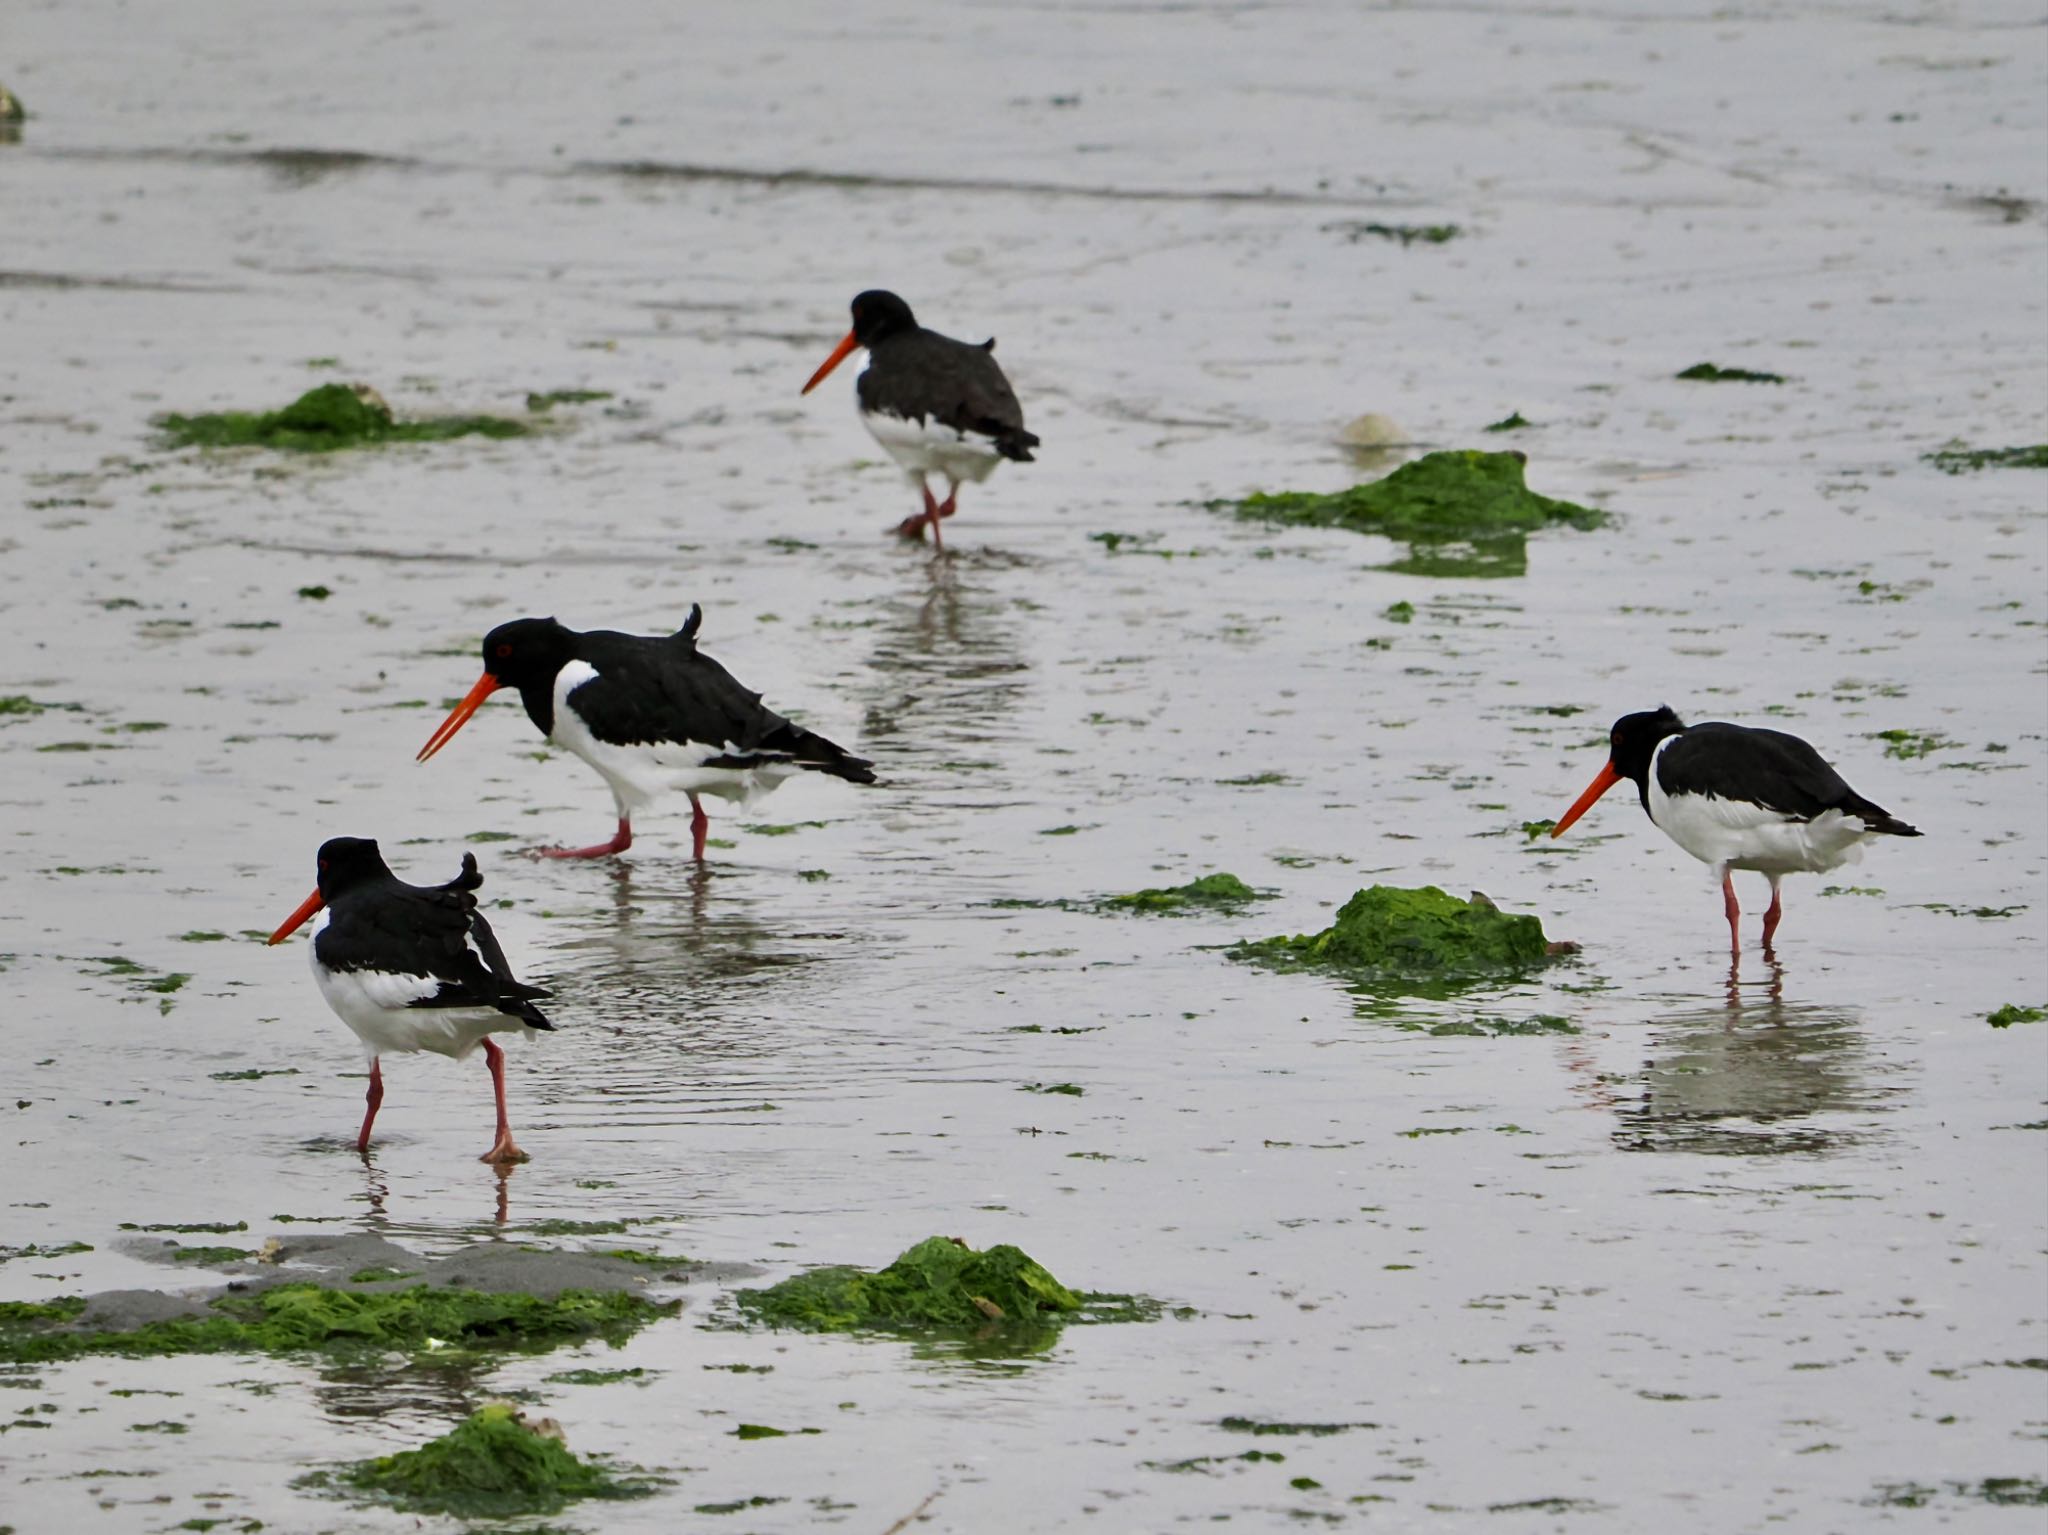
(1777, 910)
(504, 1149)
(374, 1097)
(700, 824)
(946, 507)
(621, 840)
(913, 527)
(1734, 911)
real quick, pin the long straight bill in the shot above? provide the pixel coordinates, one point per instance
(486, 685)
(838, 356)
(1608, 779)
(307, 907)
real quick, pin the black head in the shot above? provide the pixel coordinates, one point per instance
(345, 862)
(1634, 738)
(527, 651)
(879, 314)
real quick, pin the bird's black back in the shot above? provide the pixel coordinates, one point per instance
(1767, 767)
(650, 689)
(380, 923)
(918, 373)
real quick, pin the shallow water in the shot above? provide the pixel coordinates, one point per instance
(1751, 1248)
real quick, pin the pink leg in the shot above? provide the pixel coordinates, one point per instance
(621, 840)
(503, 1150)
(946, 507)
(374, 1098)
(700, 823)
(1734, 911)
(1771, 917)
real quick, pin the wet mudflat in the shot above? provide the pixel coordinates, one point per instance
(1747, 1246)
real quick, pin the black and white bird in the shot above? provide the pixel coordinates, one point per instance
(652, 713)
(1739, 798)
(413, 967)
(936, 405)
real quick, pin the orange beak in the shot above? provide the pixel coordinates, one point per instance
(838, 356)
(486, 685)
(307, 907)
(1608, 779)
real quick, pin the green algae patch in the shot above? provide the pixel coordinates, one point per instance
(298, 1318)
(1461, 512)
(1385, 932)
(1212, 892)
(1514, 422)
(2013, 1013)
(1959, 458)
(492, 1465)
(940, 1286)
(1711, 373)
(323, 420)
(1495, 1028)
(541, 402)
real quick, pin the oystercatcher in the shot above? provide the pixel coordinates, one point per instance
(938, 406)
(652, 714)
(414, 967)
(1739, 798)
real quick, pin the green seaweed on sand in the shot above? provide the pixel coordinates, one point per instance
(1494, 1028)
(1959, 458)
(210, 1256)
(322, 420)
(540, 403)
(298, 1318)
(1212, 892)
(1710, 373)
(1355, 230)
(1509, 423)
(1387, 933)
(1461, 512)
(490, 1465)
(2013, 1013)
(940, 1285)
(66, 1249)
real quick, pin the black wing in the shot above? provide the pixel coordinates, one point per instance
(919, 374)
(649, 690)
(399, 929)
(1766, 767)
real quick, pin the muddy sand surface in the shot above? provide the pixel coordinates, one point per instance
(1754, 1246)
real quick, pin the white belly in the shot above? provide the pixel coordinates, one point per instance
(931, 447)
(374, 1004)
(1735, 834)
(642, 773)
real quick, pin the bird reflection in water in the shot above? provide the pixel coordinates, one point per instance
(945, 673)
(1754, 1076)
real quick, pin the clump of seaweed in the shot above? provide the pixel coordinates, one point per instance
(941, 1284)
(1711, 373)
(2014, 1012)
(1462, 512)
(1959, 458)
(1212, 892)
(325, 419)
(295, 1318)
(491, 1465)
(1385, 932)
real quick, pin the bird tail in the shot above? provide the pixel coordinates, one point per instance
(1878, 819)
(814, 752)
(1017, 445)
(693, 623)
(521, 1006)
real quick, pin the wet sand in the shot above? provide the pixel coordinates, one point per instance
(1754, 1248)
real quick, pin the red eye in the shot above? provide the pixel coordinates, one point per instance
(323, 866)
(504, 650)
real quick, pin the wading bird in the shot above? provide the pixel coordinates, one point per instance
(413, 967)
(1739, 798)
(652, 714)
(936, 405)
